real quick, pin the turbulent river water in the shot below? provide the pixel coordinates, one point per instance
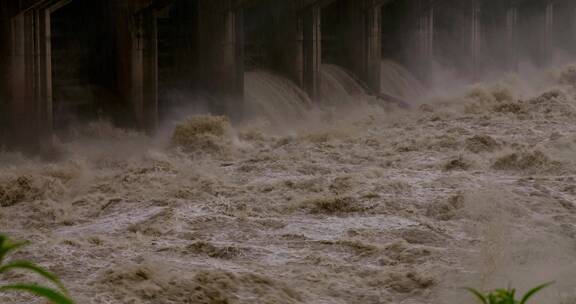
(362, 203)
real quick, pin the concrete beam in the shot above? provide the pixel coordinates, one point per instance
(221, 43)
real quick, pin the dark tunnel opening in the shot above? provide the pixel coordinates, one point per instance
(395, 20)
(332, 43)
(261, 22)
(268, 29)
(83, 64)
(178, 63)
(272, 52)
(335, 70)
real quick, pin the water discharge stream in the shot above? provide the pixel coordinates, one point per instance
(381, 206)
(339, 88)
(276, 98)
(398, 81)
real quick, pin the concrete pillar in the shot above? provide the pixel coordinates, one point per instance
(416, 38)
(221, 52)
(310, 29)
(148, 111)
(538, 34)
(565, 26)
(512, 34)
(362, 44)
(571, 32)
(549, 21)
(475, 39)
(424, 38)
(4, 53)
(29, 87)
(137, 73)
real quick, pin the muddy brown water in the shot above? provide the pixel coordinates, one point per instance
(360, 205)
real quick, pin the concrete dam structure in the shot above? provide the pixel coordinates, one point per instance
(67, 60)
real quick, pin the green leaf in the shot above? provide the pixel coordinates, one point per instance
(25, 265)
(533, 291)
(492, 299)
(8, 246)
(40, 291)
(479, 295)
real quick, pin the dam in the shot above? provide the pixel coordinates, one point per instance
(66, 60)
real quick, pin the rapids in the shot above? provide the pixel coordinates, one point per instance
(397, 206)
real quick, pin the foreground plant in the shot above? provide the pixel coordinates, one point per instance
(506, 296)
(55, 296)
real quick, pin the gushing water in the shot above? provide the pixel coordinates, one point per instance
(275, 98)
(396, 80)
(282, 103)
(339, 88)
